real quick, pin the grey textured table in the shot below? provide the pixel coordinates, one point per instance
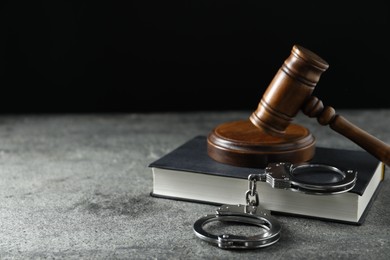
(77, 186)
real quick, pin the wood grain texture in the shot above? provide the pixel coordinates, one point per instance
(292, 85)
(328, 116)
(240, 143)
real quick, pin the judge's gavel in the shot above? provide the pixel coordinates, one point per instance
(290, 91)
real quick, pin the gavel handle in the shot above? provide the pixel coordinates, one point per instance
(327, 116)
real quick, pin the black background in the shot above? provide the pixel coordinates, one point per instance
(146, 56)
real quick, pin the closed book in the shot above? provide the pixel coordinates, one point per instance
(187, 173)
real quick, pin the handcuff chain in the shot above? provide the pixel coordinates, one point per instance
(252, 191)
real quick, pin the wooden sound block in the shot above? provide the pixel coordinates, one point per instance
(240, 143)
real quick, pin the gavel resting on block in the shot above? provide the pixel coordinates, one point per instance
(269, 134)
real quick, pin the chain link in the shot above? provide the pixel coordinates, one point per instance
(252, 197)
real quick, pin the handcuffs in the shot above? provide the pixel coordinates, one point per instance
(294, 177)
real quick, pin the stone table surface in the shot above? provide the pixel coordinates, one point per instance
(77, 186)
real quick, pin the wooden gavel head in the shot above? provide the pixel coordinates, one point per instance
(291, 87)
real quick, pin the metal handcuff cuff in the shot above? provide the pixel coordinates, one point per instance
(280, 176)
